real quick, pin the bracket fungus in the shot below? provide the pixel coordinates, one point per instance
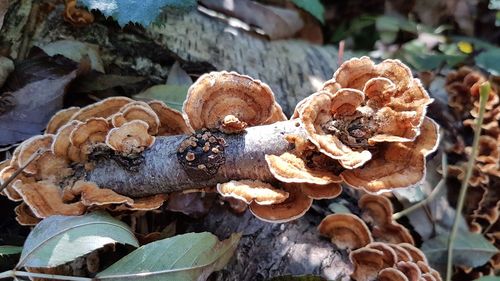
(76, 16)
(137, 111)
(366, 127)
(347, 231)
(87, 134)
(377, 210)
(60, 118)
(295, 206)
(252, 191)
(367, 263)
(391, 274)
(231, 102)
(46, 164)
(372, 116)
(131, 137)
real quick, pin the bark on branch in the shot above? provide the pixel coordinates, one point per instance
(160, 171)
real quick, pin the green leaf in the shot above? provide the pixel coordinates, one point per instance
(389, 26)
(313, 7)
(143, 12)
(489, 61)
(174, 92)
(10, 250)
(470, 249)
(171, 95)
(489, 278)
(191, 256)
(494, 5)
(60, 239)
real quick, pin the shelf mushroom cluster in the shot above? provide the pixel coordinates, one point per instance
(366, 127)
(45, 185)
(386, 252)
(482, 209)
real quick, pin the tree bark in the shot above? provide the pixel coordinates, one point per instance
(268, 250)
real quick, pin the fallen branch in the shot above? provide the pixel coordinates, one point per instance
(160, 171)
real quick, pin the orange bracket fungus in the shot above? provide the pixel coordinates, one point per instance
(366, 127)
(347, 231)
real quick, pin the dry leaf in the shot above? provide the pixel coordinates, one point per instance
(278, 23)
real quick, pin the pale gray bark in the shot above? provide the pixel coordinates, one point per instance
(159, 170)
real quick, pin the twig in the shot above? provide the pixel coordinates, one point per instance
(340, 57)
(484, 92)
(32, 158)
(435, 191)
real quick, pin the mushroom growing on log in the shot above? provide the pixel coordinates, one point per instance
(366, 127)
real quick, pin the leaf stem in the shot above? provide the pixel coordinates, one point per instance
(483, 97)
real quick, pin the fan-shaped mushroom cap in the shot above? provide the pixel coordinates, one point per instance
(489, 150)
(424, 268)
(396, 164)
(377, 209)
(218, 94)
(131, 137)
(294, 207)
(427, 277)
(25, 216)
(30, 147)
(410, 269)
(85, 135)
(52, 167)
(76, 16)
(252, 191)
(316, 191)
(232, 125)
(401, 253)
(235, 205)
(367, 263)
(364, 104)
(415, 253)
(390, 258)
(92, 195)
(62, 145)
(60, 118)
(314, 114)
(45, 199)
(345, 231)
(277, 115)
(172, 122)
(392, 233)
(144, 203)
(137, 110)
(9, 191)
(292, 169)
(14, 161)
(103, 109)
(391, 274)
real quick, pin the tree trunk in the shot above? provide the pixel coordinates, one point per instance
(293, 69)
